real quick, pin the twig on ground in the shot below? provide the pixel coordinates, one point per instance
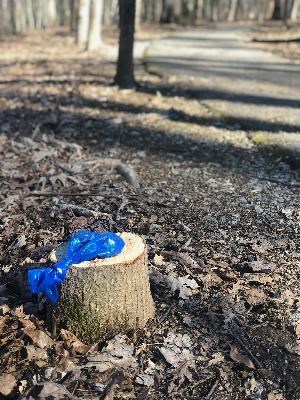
(185, 260)
(123, 204)
(116, 379)
(277, 40)
(213, 388)
(273, 180)
(238, 339)
(68, 194)
(62, 167)
(80, 210)
(127, 171)
(128, 174)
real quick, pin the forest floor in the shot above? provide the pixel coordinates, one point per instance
(217, 204)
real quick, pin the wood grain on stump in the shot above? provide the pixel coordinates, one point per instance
(104, 297)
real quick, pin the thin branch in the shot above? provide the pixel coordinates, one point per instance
(273, 180)
(68, 194)
(238, 339)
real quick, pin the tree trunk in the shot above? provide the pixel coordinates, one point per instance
(156, 10)
(6, 20)
(96, 13)
(29, 14)
(125, 76)
(277, 14)
(269, 12)
(18, 16)
(207, 10)
(104, 297)
(295, 10)
(64, 12)
(232, 14)
(168, 12)
(215, 10)
(138, 14)
(83, 23)
(281, 10)
(198, 10)
(52, 13)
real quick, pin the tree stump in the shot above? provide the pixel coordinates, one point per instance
(104, 297)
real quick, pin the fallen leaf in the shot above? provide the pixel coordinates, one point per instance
(158, 260)
(263, 247)
(41, 155)
(288, 297)
(262, 266)
(293, 349)
(210, 279)
(7, 384)
(255, 296)
(183, 285)
(39, 337)
(118, 353)
(145, 380)
(176, 349)
(275, 395)
(21, 241)
(46, 390)
(74, 342)
(9, 201)
(297, 328)
(240, 358)
(39, 356)
(217, 358)
(259, 278)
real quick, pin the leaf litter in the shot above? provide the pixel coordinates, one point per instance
(223, 245)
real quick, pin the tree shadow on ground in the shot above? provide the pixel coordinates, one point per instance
(102, 134)
(229, 122)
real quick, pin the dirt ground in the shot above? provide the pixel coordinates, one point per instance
(220, 217)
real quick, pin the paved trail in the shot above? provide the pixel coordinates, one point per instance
(220, 53)
(257, 91)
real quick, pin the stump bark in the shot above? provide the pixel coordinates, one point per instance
(104, 297)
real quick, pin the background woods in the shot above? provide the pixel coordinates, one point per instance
(86, 16)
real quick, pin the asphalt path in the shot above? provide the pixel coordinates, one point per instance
(220, 52)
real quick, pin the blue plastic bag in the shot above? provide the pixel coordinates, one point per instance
(83, 246)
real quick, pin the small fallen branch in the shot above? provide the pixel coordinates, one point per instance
(243, 345)
(290, 39)
(273, 180)
(81, 211)
(127, 171)
(128, 174)
(213, 388)
(68, 194)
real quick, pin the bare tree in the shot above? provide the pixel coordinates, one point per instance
(215, 10)
(232, 14)
(96, 13)
(83, 23)
(156, 10)
(29, 14)
(270, 7)
(52, 13)
(18, 16)
(73, 14)
(138, 14)
(295, 9)
(198, 10)
(125, 74)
